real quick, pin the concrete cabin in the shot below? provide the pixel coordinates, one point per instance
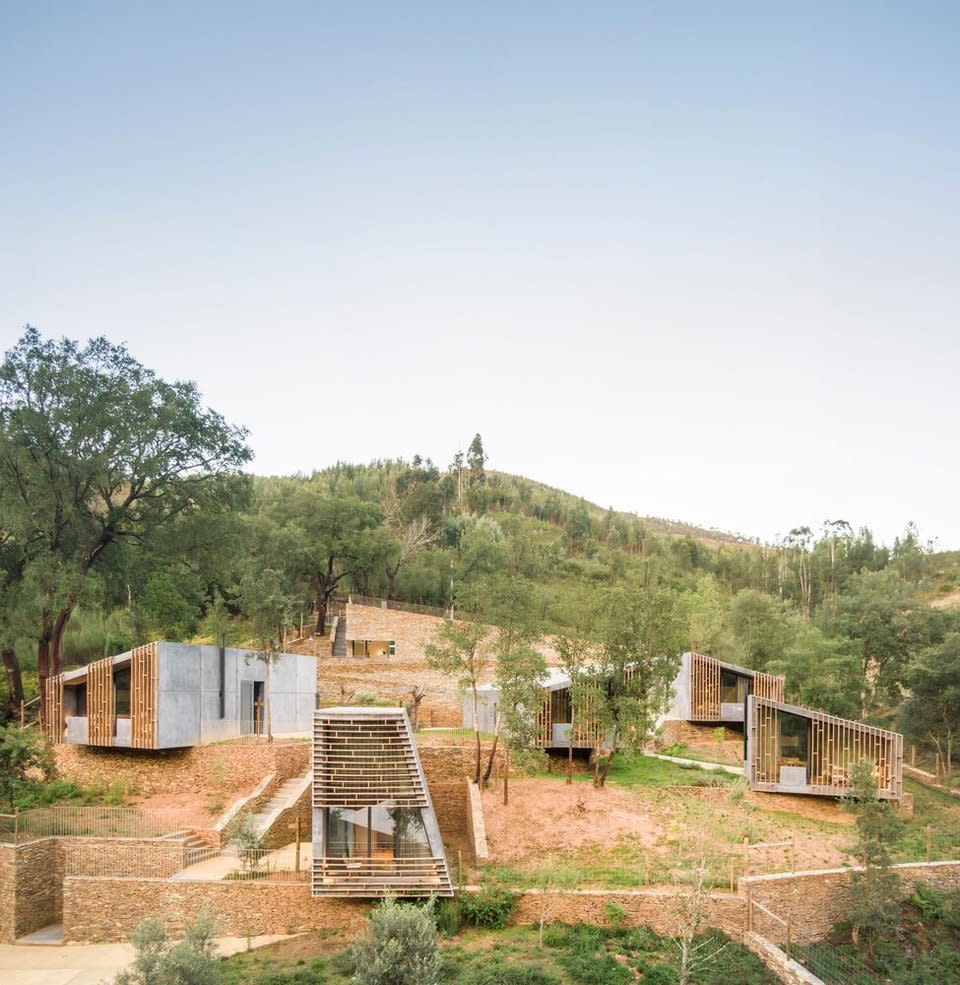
(171, 695)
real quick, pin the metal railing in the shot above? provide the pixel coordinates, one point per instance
(89, 822)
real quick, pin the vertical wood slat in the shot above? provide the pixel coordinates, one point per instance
(143, 697)
(100, 702)
(836, 745)
(53, 723)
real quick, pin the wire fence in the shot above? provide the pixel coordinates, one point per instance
(836, 967)
(90, 822)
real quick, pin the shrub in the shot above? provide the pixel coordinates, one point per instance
(400, 947)
(191, 961)
(512, 975)
(591, 969)
(491, 907)
(448, 916)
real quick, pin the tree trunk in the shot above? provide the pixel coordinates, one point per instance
(14, 678)
(56, 641)
(321, 603)
(493, 752)
(605, 772)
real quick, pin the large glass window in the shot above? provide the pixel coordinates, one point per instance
(121, 692)
(382, 831)
(794, 739)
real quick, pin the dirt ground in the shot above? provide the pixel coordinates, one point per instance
(195, 809)
(547, 817)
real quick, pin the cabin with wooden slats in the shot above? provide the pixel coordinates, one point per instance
(375, 832)
(709, 691)
(172, 695)
(796, 750)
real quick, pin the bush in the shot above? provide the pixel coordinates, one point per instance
(590, 969)
(448, 916)
(491, 907)
(512, 975)
(399, 949)
(191, 961)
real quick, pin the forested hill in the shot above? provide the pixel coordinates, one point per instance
(847, 620)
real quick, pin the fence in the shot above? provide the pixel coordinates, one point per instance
(834, 967)
(90, 822)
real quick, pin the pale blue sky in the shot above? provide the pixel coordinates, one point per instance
(694, 260)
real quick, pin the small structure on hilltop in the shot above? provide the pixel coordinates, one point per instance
(375, 832)
(796, 750)
(171, 695)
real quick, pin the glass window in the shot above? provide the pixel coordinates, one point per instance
(121, 692)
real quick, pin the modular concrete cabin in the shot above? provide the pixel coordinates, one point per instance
(795, 750)
(375, 832)
(710, 691)
(171, 695)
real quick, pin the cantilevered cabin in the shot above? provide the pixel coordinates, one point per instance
(375, 832)
(705, 690)
(709, 691)
(172, 695)
(795, 750)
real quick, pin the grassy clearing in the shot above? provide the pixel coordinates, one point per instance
(561, 955)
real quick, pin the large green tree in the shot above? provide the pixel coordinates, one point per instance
(97, 452)
(639, 634)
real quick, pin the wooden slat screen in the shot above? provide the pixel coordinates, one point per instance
(53, 723)
(362, 761)
(704, 688)
(100, 703)
(835, 745)
(143, 697)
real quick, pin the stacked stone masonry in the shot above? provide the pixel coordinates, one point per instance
(228, 768)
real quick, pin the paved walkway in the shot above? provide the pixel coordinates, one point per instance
(85, 964)
(219, 866)
(716, 767)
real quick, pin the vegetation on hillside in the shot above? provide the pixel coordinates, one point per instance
(155, 536)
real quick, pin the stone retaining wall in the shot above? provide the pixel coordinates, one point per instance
(654, 908)
(30, 880)
(103, 910)
(815, 901)
(141, 857)
(227, 767)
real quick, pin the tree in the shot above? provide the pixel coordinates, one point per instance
(95, 453)
(639, 636)
(931, 714)
(22, 752)
(464, 648)
(875, 890)
(192, 961)
(399, 948)
(520, 667)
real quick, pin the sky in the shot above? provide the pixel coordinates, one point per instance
(689, 260)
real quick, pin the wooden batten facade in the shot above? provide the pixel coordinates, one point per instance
(716, 686)
(100, 703)
(796, 750)
(53, 708)
(144, 692)
(375, 831)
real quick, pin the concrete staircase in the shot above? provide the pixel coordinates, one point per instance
(286, 796)
(340, 639)
(195, 849)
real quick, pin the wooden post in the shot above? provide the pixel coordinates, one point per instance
(913, 754)
(746, 856)
(296, 827)
(16, 825)
(22, 714)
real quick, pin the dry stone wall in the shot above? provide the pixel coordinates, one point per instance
(30, 879)
(143, 857)
(815, 901)
(103, 910)
(228, 768)
(652, 908)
